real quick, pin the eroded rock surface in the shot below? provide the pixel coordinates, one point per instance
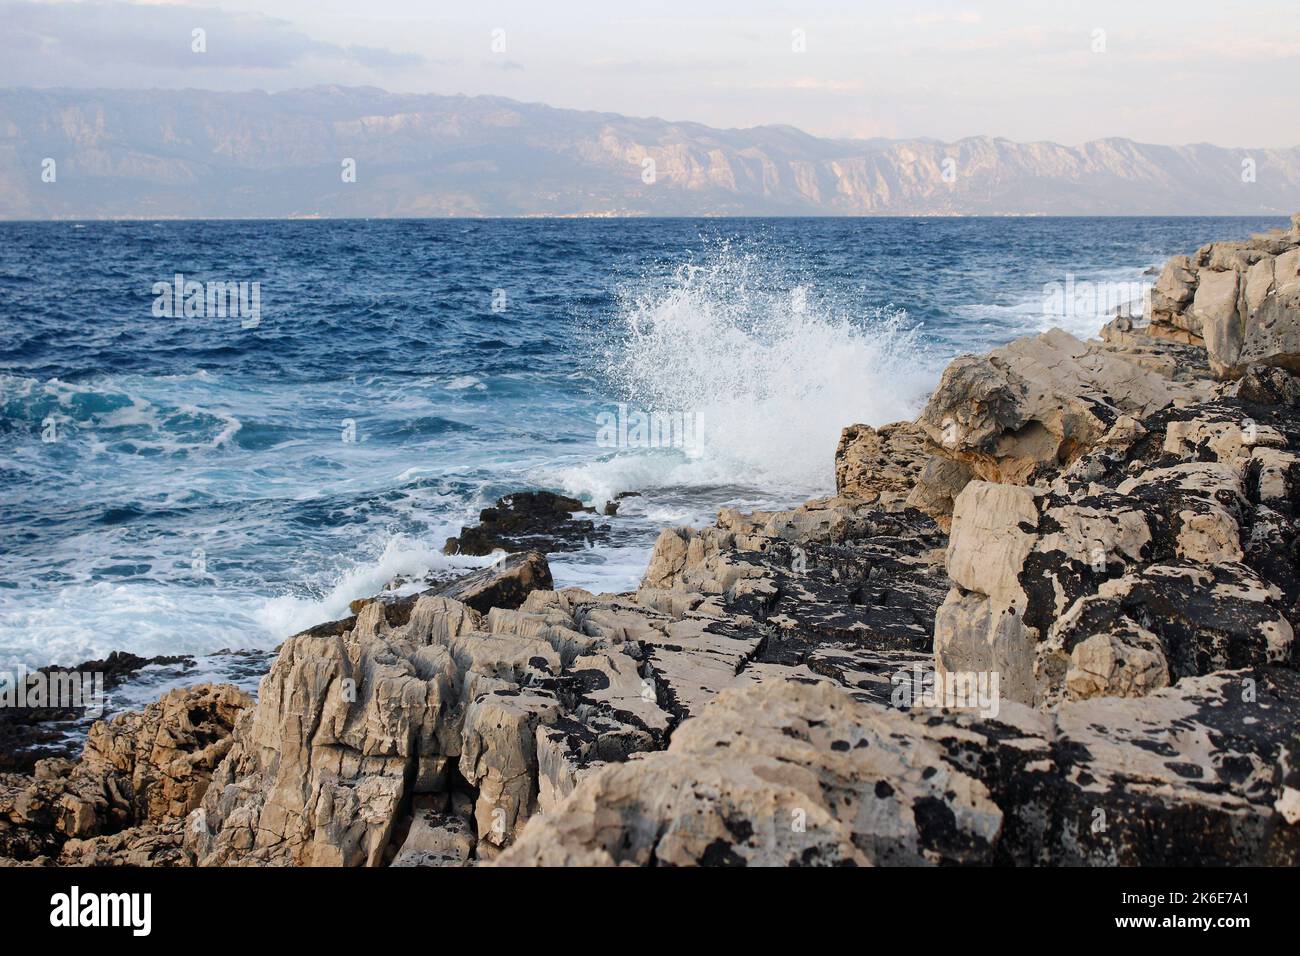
(139, 771)
(1241, 300)
(794, 775)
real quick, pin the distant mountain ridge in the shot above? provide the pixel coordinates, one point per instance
(193, 153)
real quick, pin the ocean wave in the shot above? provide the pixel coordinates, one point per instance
(401, 557)
(769, 368)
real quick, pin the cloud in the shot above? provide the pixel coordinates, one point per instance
(967, 17)
(72, 38)
(810, 83)
(665, 65)
(381, 58)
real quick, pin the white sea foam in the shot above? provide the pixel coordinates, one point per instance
(462, 382)
(1078, 303)
(771, 371)
(402, 556)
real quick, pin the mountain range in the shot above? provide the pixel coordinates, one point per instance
(363, 152)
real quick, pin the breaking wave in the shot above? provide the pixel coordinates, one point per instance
(768, 368)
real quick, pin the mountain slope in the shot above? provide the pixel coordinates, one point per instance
(191, 153)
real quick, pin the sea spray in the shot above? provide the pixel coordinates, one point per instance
(770, 367)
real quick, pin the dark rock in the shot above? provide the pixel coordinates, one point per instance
(1266, 385)
(505, 584)
(528, 521)
(29, 734)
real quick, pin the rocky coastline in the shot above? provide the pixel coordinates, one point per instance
(1049, 622)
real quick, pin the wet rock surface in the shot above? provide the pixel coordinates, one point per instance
(529, 521)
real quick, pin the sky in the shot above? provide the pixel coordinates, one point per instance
(1157, 71)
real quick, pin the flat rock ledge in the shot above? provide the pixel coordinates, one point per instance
(1050, 622)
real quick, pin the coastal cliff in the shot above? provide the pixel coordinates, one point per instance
(1049, 622)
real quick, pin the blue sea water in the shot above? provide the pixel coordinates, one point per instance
(179, 484)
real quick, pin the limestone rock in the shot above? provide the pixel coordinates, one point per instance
(1188, 774)
(1038, 402)
(774, 775)
(141, 770)
(937, 487)
(880, 465)
(1241, 298)
(791, 774)
(167, 752)
(152, 844)
(436, 837)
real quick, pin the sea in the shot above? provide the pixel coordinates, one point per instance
(183, 472)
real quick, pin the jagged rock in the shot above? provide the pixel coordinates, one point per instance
(1039, 402)
(528, 521)
(1174, 290)
(880, 466)
(352, 726)
(167, 752)
(1242, 298)
(140, 768)
(1197, 772)
(348, 726)
(151, 844)
(1022, 557)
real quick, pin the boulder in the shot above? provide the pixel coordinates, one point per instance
(506, 584)
(1216, 307)
(1039, 403)
(937, 487)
